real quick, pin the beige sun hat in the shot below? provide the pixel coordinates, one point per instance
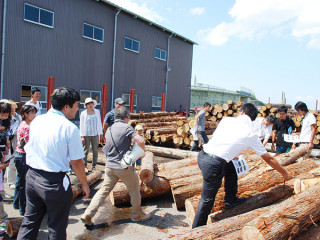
(90, 100)
(138, 127)
(13, 104)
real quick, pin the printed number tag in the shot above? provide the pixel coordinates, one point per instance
(66, 183)
(240, 165)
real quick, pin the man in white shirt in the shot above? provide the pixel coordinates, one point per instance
(54, 144)
(308, 129)
(35, 96)
(215, 160)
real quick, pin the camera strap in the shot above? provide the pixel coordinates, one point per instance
(113, 141)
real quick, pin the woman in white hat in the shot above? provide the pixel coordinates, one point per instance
(90, 130)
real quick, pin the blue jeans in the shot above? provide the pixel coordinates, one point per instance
(281, 149)
(196, 142)
(19, 199)
(213, 169)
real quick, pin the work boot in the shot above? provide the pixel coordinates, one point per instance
(238, 201)
(141, 217)
(86, 219)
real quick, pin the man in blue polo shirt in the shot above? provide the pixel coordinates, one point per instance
(109, 118)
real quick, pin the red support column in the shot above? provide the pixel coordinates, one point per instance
(132, 91)
(104, 101)
(163, 99)
(50, 90)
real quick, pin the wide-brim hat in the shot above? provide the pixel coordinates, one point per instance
(138, 127)
(13, 104)
(90, 100)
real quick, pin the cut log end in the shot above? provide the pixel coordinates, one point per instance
(249, 233)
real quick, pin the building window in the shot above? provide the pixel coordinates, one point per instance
(93, 33)
(38, 15)
(26, 95)
(156, 101)
(126, 98)
(95, 95)
(131, 44)
(160, 54)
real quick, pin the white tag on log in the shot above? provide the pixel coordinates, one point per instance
(240, 165)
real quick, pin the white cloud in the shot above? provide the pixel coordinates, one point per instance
(197, 11)
(257, 18)
(143, 10)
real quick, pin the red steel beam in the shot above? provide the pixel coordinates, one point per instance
(132, 91)
(50, 90)
(163, 99)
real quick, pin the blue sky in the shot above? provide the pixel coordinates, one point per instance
(268, 46)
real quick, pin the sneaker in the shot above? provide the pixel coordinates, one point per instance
(141, 217)
(7, 196)
(238, 201)
(86, 219)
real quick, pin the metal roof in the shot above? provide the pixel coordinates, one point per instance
(148, 21)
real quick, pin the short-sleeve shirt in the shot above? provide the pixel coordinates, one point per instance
(260, 129)
(38, 106)
(122, 134)
(109, 118)
(282, 128)
(306, 132)
(53, 142)
(23, 133)
(232, 136)
(202, 120)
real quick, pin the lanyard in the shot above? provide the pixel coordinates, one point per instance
(57, 112)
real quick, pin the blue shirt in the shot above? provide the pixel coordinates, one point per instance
(109, 118)
(53, 142)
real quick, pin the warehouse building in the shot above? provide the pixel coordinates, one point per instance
(84, 44)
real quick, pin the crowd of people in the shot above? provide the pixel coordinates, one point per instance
(38, 150)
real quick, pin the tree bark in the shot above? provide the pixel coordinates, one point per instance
(91, 179)
(178, 164)
(253, 185)
(288, 219)
(170, 152)
(147, 168)
(184, 188)
(256, 200)
(13, 226)
(120, 195)
(220, 229)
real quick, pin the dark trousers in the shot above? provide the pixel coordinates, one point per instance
(213, 169)
(46, 194)
(281, 149)
(196, 142)
(19, 200)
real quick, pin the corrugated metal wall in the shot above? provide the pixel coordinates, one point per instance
(35, 52)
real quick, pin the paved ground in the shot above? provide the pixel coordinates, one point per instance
(114, 223)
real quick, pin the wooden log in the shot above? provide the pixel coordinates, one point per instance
(170, 152)
(156, 138)
(192, 123)
(186, 127)
(182, 172)
(13, 226)
(301, 185)
(225, 107)
(288, 219)
(120, 195)
(230, 102)
(256, 183)
(164, 131)
(178, 164)
(91, 179)
(146, 172)
(220, 229)
(312, 233)
(167, 138)
(260, 199)
(184, 188)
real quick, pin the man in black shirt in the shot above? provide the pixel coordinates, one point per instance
(282, 126)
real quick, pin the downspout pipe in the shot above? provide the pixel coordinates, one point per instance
(167, 73)
(114, 55)
(3, 45)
